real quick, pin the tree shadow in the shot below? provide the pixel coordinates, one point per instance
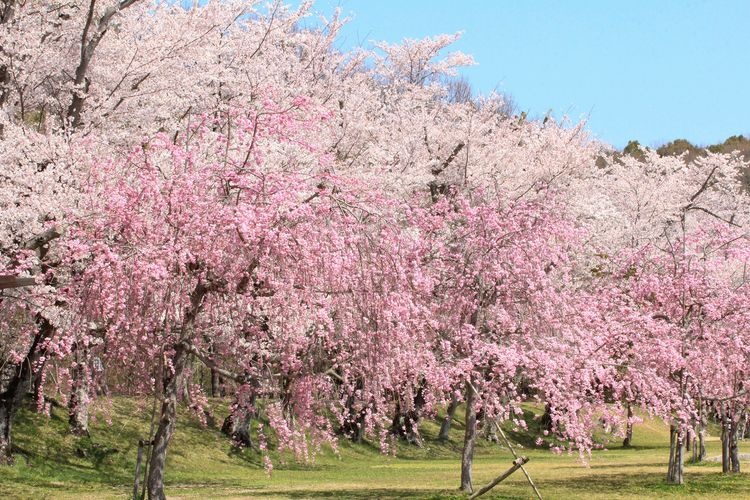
(381, 494)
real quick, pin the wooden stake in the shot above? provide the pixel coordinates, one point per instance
(8, 281)
(517, 464)
(525, 472)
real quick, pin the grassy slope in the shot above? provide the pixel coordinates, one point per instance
(201, 464)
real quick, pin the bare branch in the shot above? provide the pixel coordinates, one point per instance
(451, 157)
(40, 240)
(704, 186)
(206, 360)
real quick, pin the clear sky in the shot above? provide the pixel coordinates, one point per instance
(647, 70)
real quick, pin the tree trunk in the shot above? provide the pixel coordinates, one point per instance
(701, 433)
(741, 428)
(396, 426)
(354, 427)
(237, 424)
(627, 442)
(78, 403)
(724, 450)
(15, 382)
(445, 426)
(354, 423)
(676, 467)
(488, 429)
(470, 434)
(11, 394)
(546, 421)
(237, 427)
(167, 422)
(406, 424)
(6, 458)
(694, 444)
(733, 449)
(217, 384)
(734, 452)
(726, 440)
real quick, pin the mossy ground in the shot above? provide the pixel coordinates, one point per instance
(50, 463)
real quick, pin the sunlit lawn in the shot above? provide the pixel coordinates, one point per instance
(202, 464)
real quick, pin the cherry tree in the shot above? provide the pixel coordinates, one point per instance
(288, 283)
(649, 233)
(101, 72)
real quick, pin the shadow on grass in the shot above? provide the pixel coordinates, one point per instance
(715, 484)
(639, 447)
(615, 465)
(382, 494)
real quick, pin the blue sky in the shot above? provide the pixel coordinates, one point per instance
(647, 70)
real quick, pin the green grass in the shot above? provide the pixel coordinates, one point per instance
(50, 463)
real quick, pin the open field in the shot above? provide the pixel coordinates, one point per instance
(50, 463)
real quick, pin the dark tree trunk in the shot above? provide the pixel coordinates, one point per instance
(546, 421)
(78, 403)
(734, 452)
(359, 432)
(701, 452)
(741, 428)
(6, 421)
(695, 458)
(15, 382)
(217, 384)
(237, 427)
(488, 429)
(406, 424)
(411, 422)
(730, 456)
(354, 423)
(11, 394)
(470, 435)
(237, 424)
(675, 472)
(628, 441)
(724, 444)
(396, 429)
(445, 426)
(167, 422)
(354, 426)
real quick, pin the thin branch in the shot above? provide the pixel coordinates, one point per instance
(451, 157)
(206, 360)
(704, 186)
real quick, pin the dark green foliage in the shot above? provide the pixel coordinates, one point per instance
(680, 147)
(634, 149)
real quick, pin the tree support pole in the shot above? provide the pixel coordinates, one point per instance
(517, 464)
(523, 469)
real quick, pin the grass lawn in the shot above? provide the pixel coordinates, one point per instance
(50, 463)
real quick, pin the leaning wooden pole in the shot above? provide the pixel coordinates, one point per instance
(517, 464)
(9, 281)
(525, 472)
